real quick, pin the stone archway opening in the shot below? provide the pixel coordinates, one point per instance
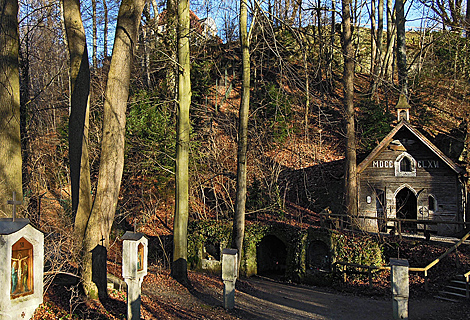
(211, 251)
(407, 208)
(271, 256)
(318, 257)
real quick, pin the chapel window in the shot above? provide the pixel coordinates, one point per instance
(431, 203)
(405, 165)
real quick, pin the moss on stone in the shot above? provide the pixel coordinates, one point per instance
(343, 246)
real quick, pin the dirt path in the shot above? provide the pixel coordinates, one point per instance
(268, 299)
(262, 298)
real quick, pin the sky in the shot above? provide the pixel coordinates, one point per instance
(227, 10)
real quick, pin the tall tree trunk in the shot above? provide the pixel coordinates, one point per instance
(105, 30)
(78, 119)
(95, 33)
(180, 228)
(380, 32)
(25, 85)
(10, 137)
(171, 44)
(348, 83)
(373, 40)
(332, 42)
(320, 46)
(401, 48)
(387, 70)
(239, 217)
(467, 20)
(146, 56)
(112, 149)
(376, 79)
(155, 8)
(307, 93)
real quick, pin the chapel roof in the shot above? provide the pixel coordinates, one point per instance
(390, 137)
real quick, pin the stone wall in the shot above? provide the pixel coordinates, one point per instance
(309, 253)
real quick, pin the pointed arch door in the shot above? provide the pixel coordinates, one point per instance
(407, 208)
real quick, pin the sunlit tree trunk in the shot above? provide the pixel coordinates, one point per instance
(377, 70)
(401, 48)
(387, 70)
(239, 217)
(155, 8)
(348, 83)
(105, 30)
(180, 228)
(171, 40)
(373, 39)
(112, 149)
(380, 32)
(78, 119)
(10, 139)
(95, 33)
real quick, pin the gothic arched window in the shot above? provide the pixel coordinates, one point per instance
(405, 165)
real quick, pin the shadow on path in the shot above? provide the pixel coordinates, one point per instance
(261, 298)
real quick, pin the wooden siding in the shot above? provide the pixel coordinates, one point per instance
(433, 177)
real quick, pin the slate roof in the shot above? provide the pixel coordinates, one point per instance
(135, 236)
(8, 226)
(389, 138)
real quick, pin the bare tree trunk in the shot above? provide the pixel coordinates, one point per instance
(239, 218)
(155, 8)
(78, 119)
(146, 56)
(320, 45)
(348, 82)
(180, 228)
(401, 48)
(387, 70)
(307, 94)
(112, 149)
(25, 85)
(105, 30)
(467, 20)
(332, 42)
(380, 31)
(95, 33)
(10, 136)
(171, 38)
(373, 40)
(378, 56)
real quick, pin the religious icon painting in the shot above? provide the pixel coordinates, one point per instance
(140, 257)
(21, 269)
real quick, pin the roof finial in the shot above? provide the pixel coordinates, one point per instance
(403, 108)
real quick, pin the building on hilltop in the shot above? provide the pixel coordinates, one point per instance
(205, 28)
(408, 177)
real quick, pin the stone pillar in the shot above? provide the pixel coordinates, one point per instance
(134, 268)
(400, 287)
(229, 276)
(21, 273)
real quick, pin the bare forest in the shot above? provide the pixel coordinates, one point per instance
(146, 115)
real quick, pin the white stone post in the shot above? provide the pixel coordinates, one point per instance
(400, 287)
(21, 271)
(134, 268)
(229, 276)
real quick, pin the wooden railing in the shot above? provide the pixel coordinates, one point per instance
(467, 284)
(340, 221)
(369, 269)
(414, 269)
